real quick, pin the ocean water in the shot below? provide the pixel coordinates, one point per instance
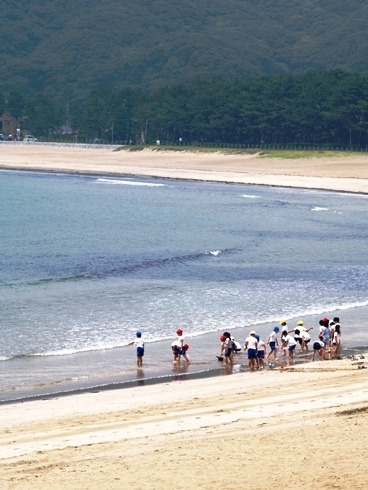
(86, 261)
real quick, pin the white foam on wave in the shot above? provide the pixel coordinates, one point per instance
(250, 196)
(335, 193)
(319, 209)
(127, 182)
(71, 351)
(215, 253)
(93, 348)
(317, 310)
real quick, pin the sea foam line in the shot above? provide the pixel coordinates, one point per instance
(250, 196)
(128, 182)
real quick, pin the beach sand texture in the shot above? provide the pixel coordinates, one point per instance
(345, 173)
(303, 428)
(297, 428)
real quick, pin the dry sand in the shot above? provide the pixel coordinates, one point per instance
(302, 428)
(345, 173)
(299, 428)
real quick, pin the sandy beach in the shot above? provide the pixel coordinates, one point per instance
(344, 173)
(301, 427)
(295, 428)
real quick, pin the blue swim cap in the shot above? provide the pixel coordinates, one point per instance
(257, 337)
(277, 329)
(139, 334)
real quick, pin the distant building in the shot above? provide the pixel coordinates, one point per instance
(9, 124)
(65, 129)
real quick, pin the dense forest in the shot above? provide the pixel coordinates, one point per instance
(312, 108)
(65, 48)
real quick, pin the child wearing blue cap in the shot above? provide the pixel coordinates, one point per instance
(140, 348)
(273, 342)
(261, 352)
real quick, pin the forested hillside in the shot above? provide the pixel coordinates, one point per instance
(327, 108)
(67, 47)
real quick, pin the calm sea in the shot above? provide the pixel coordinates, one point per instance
(88, 260)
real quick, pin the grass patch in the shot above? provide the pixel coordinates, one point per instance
(353, 411)
(293, 154)
(262, 153)
(190, 149)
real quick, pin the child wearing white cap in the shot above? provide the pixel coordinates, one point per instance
(251, 344)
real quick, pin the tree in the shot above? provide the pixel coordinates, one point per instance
(44, 115)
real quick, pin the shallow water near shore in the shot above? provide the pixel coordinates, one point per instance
(86, 261)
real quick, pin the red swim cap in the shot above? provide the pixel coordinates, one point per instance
(186, 346)
(179, 332)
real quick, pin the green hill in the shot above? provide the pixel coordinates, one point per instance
(67, 47)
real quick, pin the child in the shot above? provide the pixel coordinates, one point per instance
(283, 326)
(236, 346)
(306, 338)
(140, 348)
(251, 344)
(175, 347)
(222, 340)
(284, 332)
(298, 333)
(261, 351)
(179, 348)
(273, 342)
(324, 332)
(336, 341)
(227, 349)
(290, 342)
(320, 347)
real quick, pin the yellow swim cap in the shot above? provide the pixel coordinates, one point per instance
(300, 322)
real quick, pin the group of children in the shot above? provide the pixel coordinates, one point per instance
(329, 342)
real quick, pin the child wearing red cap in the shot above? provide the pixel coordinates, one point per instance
(179, 348)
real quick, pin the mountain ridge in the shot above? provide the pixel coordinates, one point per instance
(66, 48)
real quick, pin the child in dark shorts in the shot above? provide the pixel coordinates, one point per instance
(140, 348)
(227, 349)
(319, 346)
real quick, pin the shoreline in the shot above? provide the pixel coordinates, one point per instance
(182, 373)
(342, 174)
(170, 178)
